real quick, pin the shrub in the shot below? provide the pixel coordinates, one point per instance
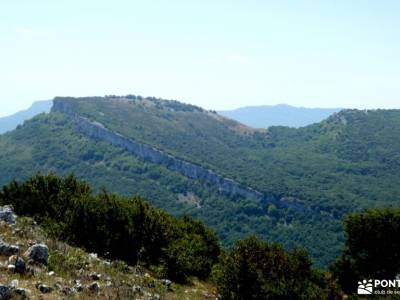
(114, 226)
(257, 270)
(372, 248)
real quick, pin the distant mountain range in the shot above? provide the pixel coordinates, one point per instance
(287, 185)
(11, 122)
(253, 116)
(278, 115)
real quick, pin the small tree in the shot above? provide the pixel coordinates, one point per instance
(372, 248)
(257, 270)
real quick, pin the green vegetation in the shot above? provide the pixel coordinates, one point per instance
(116, 227)
(344, 164)
(50, 143)
(131, 230)
(70, 272)
(372, 248)
(257, 270)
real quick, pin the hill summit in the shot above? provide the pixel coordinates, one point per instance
(287, 185)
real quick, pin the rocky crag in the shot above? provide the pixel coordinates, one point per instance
(98, 131)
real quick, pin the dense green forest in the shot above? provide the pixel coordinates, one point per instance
(344, 164)
(129, 229)
(50, 143)
(349, 160)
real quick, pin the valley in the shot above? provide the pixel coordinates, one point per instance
(291, 186)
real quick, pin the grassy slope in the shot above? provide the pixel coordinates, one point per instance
(71, 263)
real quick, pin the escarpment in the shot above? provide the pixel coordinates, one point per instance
(98, 131)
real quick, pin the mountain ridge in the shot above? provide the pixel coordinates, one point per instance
(98, 131)
(11, 122)
(343, 164)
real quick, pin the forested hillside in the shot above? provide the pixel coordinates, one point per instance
(314, 175)
(127, 237)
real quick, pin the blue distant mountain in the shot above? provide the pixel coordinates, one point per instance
(278, 115)
(11, 122)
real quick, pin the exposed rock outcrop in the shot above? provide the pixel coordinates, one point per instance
(7, 249)
(7, 214)
(78, 275)
(44, 288)
(18, 263)
(38, 253)
(98, 131)
(5, 292)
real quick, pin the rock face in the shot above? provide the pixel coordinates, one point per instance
(38, 253)
(19, 264)
(7, 249)
(5, 292)
(98, 131)
(7, 214)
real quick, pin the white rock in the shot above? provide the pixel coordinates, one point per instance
(11, 268)
(14, 283)
(7, 214)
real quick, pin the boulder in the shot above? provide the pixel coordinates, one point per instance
(137, 289)
(156, 297)
(21, 293)
(78, 286)
(19, 264)
(94, 287)
(95, 276)
(7, 249)
(7, 215)
(68, 291)
(14, 283)
(167, 282)
(5, 292)
(44, 288)
(38, 253)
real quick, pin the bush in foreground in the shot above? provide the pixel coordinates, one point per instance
(114, 226)
(372, 248)
(258, 270)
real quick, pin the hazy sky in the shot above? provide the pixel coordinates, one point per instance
(216, 54)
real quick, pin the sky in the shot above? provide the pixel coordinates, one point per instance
(216, 54)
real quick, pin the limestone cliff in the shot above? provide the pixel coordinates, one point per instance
(98, 131)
